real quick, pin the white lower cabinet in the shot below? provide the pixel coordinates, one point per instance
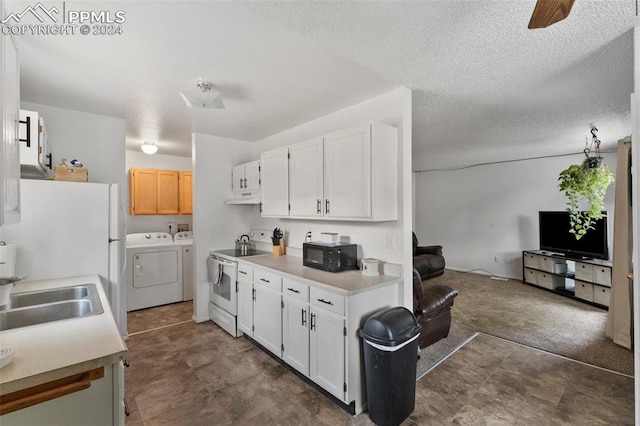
(245, 306)
(99, 404)
(313, 329)
(295, 334)
(267, 311)
(327, 350)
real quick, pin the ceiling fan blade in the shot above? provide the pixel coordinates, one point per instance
(548, 12)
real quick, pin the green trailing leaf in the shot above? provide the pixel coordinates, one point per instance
(585, 185)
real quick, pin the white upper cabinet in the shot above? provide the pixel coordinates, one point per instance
(246, 177)
(346, 175)
(9, 150)
(35, 151)
(275, 182)
(306, 178)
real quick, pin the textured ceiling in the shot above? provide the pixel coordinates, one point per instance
(485, 87)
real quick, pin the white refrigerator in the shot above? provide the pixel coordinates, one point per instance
(72, 228)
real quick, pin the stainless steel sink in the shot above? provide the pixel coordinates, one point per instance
(57, 304)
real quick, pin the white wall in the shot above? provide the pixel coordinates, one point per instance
(217, 225)
(96, 141)
(393, 109)
(486, 211)
(147, 223)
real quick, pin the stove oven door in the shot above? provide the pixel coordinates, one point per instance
(223, 275)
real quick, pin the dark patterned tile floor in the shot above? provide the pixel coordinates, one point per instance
(196, 374)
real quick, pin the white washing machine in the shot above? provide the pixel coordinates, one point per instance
(154, 270)
(185, 239)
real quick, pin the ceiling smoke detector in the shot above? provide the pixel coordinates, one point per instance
(205, 96)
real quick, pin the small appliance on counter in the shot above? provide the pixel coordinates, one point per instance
(370, 267)
(330, 257)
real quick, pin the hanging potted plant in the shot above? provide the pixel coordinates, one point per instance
(586, 184)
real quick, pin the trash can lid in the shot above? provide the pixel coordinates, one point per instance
(390, 327)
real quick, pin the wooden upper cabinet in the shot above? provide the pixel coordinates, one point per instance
(143, 191)
(168, 192)
(186, 192)
(159, 192)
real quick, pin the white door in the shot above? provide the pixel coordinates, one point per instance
(267, 311)
(275, 183)
(305, 180)
(245, 306)
(252, 176)
(327, 351)
(295, 334)
(347, 173)
(237, 178)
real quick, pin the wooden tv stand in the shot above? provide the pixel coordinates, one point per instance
(589, 281)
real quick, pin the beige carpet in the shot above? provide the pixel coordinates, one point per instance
(528, 315)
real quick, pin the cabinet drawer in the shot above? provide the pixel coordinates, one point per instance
(530, 276)
(584, 291)
(601, 295)
(327, 300)
(602, 275)
(584, 271)
(550, 281)
(295, 289)
(548, 263)
(245, 272)
(268, 279)
(531, 260)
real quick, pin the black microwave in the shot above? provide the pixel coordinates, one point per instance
(330, 257)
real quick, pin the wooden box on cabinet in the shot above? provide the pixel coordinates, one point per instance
(71, 174)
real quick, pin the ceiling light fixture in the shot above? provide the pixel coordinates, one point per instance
(206, 95)
(149, 147)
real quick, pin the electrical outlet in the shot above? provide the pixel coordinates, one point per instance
(496, 259)
(391, 241)
(183, 227)
(171, 226)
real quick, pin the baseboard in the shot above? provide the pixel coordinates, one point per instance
(479, 272)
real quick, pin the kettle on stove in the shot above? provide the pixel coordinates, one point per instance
(243, 245)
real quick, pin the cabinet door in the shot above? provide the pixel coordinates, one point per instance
(245, 306)
(295, 334)
(237, 178)
(267, 315)
(168, 192)
(305, 180)
(186, 192)
(275, 183)
(327, 346)
(347, 173)
(10, 157)
(252, 176)
(143, 192)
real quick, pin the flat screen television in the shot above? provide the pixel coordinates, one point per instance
(555, 237)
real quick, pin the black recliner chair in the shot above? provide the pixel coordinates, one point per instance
(428, 260)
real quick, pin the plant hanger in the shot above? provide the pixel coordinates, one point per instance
(586, 184)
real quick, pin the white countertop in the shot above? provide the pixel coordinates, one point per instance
(58, 349)
(345, 283)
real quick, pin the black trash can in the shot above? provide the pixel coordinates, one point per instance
(390, 343)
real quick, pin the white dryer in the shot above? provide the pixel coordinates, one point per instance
(185, 239)
(154, 270)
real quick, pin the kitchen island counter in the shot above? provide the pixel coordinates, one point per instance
(345, 283)
(51, 351)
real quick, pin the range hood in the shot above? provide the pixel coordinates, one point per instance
(244, 198)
